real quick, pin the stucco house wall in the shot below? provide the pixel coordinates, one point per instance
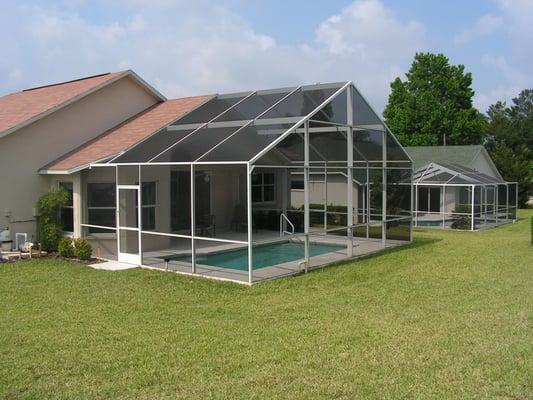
(25, 151)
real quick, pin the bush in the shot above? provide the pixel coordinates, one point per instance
(82, 249)
(49, 236)
(462, 217)
(49, 206)
(66, 247)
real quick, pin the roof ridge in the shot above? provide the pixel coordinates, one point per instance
(65, 82)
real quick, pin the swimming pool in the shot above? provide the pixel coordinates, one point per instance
(265, 255)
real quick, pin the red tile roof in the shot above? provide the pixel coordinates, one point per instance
(127, 133)
(17, 109)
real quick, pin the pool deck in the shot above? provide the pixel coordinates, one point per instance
(361, 247)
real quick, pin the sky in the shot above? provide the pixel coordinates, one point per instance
(193, 47)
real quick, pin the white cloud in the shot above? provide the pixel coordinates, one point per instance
(510, 73)
(369, 29)
(187, 48)
(484, 26)
(482, 101)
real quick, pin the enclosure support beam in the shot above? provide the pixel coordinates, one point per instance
(472, 221)
(349, 136)
(139, 216)
(193, 221)
(416, 205)
(516, 201)
(411, 208)
(249, 221)
(497, 200)
(325, 196)
(507, 202)
(306, 192)
(485, 205)
(443, 209)
(368, 216)
(384, 192)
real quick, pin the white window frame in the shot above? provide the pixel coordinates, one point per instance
(262, 185)
(71, 207)
(112, 230)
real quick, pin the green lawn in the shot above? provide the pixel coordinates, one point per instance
(450, 316)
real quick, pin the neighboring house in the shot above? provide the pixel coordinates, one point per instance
(229, 186)
(460, 187)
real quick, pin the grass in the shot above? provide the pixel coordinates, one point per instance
(450, 316)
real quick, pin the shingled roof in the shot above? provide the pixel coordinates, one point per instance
(27, 106)
(462, 155)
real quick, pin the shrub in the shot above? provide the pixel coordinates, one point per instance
(49, 235)
(66, 247)
(462, 217)
(49, 206)
(82, 249)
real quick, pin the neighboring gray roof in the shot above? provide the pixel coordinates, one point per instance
(462, 155)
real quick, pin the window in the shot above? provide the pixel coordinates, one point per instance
(428, 199)
(101, 206)
(297, 184)
(263, 187)
(67, 212)
(148, 202)
(465, 196)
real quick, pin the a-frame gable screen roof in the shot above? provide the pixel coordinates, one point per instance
(242, 127)
(450, 174)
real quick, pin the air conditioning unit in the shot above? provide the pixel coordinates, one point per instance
(20, 239)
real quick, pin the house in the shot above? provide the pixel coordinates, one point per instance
(238, 186)
(460, 187)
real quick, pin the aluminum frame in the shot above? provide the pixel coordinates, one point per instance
(301, 125)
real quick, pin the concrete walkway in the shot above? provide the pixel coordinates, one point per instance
(112, 266)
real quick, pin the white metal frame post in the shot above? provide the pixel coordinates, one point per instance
(411, 210)
(349, 141)
(485, 198)
(416, 204)
(249, 170)
(507, 202)
(193, 220)
(384, 191)
(443, 210)
(497, 201)
(139, 215)
(516, 202)
(472, 221)
(368, 210)
(306, 191)
(325, 197)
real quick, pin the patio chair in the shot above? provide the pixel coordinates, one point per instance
(207, 225)
(239, 222)
(240, 219)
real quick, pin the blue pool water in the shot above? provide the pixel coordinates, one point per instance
(263, 256)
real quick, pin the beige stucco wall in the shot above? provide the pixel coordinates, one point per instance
(25, 151)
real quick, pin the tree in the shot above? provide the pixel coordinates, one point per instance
(434, 105)
(510, 141)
